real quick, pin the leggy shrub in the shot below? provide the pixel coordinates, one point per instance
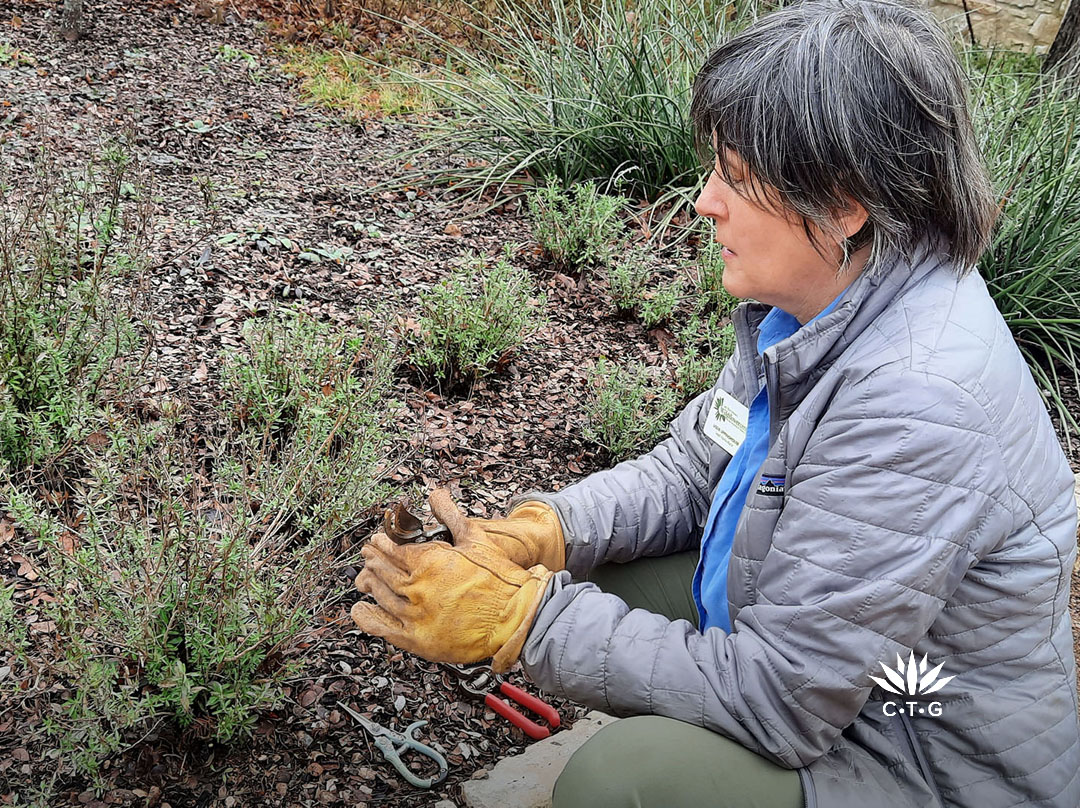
(472, 322)
(577, 228)
(628, 277)
(66, 328)
(628, 408)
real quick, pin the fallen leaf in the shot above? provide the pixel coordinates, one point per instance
(26, 569)
(201, 373)
(68, 542)
(453, 230)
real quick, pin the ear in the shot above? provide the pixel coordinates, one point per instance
(851, 218)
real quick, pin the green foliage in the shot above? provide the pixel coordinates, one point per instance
(578, 91)
(628, 277)
(354, 86)
(707, 344)
(1029, 128)
(65, 243)
(471, 323)
(660, 305)
(628, 408)
(577, 228)
(313, 405)
(180, 585)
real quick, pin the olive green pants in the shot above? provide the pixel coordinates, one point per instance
(649, 760)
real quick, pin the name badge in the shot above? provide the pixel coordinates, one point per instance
(726, 422)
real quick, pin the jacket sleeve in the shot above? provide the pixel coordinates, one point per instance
(899, 491)
(652, 505)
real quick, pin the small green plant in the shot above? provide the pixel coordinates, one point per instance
(577, 228)
(659, 305)
(628, 276)
(628, 408)
(67, 243)
(472, 322)
(227, 53)
(707, 344)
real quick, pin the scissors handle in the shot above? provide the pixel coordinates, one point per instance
(529, 727)
(408, 743)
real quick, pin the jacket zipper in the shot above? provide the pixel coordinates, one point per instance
(920, 758)
(772, 390)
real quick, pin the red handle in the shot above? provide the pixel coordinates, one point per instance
(530, 728)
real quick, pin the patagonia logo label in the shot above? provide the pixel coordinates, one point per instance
(771, 486)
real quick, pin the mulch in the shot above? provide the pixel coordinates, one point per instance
(283, 168)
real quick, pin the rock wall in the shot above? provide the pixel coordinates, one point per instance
(1015, 24)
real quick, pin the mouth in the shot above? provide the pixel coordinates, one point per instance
(726, 251)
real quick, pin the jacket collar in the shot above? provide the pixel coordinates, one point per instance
(801, 359)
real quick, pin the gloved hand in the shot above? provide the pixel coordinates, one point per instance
(449, 604)
(530, 535)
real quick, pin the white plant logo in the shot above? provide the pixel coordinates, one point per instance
(912, 679)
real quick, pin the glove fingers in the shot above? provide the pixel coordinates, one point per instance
(380, 547)
(369, 582)
(370, 619)
(444, 509)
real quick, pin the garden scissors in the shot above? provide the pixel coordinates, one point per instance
(476, 679)
(402, 527)
(392, 744)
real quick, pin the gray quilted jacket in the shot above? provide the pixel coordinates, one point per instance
(927, 507)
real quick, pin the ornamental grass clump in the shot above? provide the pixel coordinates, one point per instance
(1029, 128)
(574, 92)
(70, 242)
(472, 322)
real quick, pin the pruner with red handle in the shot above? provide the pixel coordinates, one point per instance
(476, 680)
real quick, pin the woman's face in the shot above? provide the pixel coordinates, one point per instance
(768, 256)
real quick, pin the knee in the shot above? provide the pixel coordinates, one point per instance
(612, 769)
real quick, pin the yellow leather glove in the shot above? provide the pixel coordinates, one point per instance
(530, 535)
(447, 603)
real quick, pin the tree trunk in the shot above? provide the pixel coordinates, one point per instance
(71, 20)
(1064, 55)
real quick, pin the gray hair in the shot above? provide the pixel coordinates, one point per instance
(831, 100)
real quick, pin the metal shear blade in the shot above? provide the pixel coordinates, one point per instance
(393, 744)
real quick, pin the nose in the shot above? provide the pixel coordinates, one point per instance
(711, 202)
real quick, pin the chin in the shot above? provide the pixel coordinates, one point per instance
(730, 282)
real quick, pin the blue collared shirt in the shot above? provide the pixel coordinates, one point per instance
(710, 578)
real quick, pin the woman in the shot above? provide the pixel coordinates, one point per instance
(872, 482)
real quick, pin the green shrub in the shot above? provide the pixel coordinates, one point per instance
(181, 581)
(628, 408)
(314, 399)
(707, 345)
(577, 91)
(472, 322)
(659, 305)
(1029, 129)
(577, 228)
(66, 240)
(628, 276)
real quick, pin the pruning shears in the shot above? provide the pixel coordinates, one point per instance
(476, 680)
(402, 527)
(393, 744)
